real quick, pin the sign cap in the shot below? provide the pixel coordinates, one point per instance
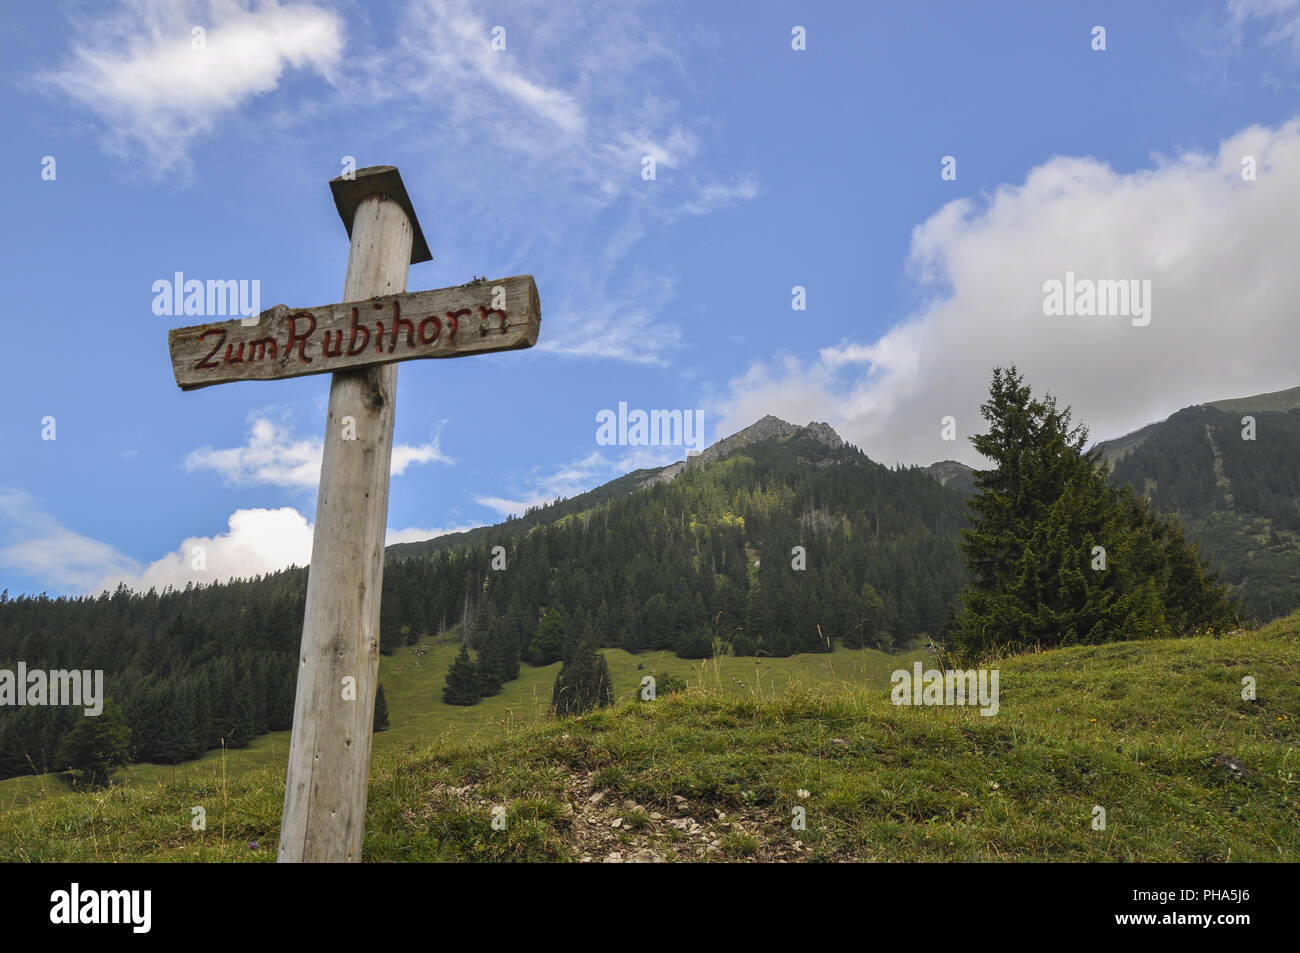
(350, 191)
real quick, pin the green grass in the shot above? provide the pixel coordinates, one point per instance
(413, 678)
(1141, 729)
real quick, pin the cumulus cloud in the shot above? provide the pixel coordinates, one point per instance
(1219, 252)
(138, 69)
(40, 547)
(258, 541)
(273, 456)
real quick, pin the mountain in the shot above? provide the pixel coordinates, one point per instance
(953, 474)
(776, 540)
(1281, 401)
(780, 538)
(1235, 487)
(1238, 498)
(768, 428)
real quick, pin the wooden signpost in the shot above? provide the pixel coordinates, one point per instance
(359, 341)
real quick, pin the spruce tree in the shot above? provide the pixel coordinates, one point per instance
(462, 686)
(1056, 555)
(547, 645)
(583, 682)
(96, 745)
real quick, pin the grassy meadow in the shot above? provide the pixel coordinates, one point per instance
(803, 758)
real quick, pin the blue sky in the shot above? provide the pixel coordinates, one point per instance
(774, 167)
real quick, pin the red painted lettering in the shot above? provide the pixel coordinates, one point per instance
(301, 339)
(437, 329)
(453, 319)
(353, 349)
(398, 323)
(484, 314)
(207, 362)
(257, 349)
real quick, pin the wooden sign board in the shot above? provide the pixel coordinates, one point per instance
(474, 318)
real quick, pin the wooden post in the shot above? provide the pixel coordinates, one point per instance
(338, 665)
(329, 755)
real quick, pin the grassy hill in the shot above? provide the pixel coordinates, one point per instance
(413, 678)
(1155, 732)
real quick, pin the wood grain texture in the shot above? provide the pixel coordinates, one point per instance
(475, 318)
(329, 753)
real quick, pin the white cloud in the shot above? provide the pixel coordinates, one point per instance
(1281, 19)
(39, 546)
(599, 322)
(558, 124)
(259, 541)
(138, 72)
(273, 456)
(416, 534)
(714, 196)
(541, 485)
(1218, 250)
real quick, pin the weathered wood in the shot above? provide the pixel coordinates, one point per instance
(474, 318)
(329, 754)
(338, 674)
(350, 190)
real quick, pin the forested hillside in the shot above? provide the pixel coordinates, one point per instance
(701, 562)
(189, 668)
(1238, 498)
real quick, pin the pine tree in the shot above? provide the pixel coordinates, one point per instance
(96, 745)
(547, 645)
(462, 686)
(583, 682)
(1057, 556)
(695, 643)
(381, 709)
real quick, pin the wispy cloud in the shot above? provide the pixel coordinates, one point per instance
(39, 546)
(1280, 20)
(627, 324)
(542, 485)
(273, 456)
(139, 71)
(559, 123)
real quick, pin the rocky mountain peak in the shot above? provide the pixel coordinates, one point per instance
(765, 428)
